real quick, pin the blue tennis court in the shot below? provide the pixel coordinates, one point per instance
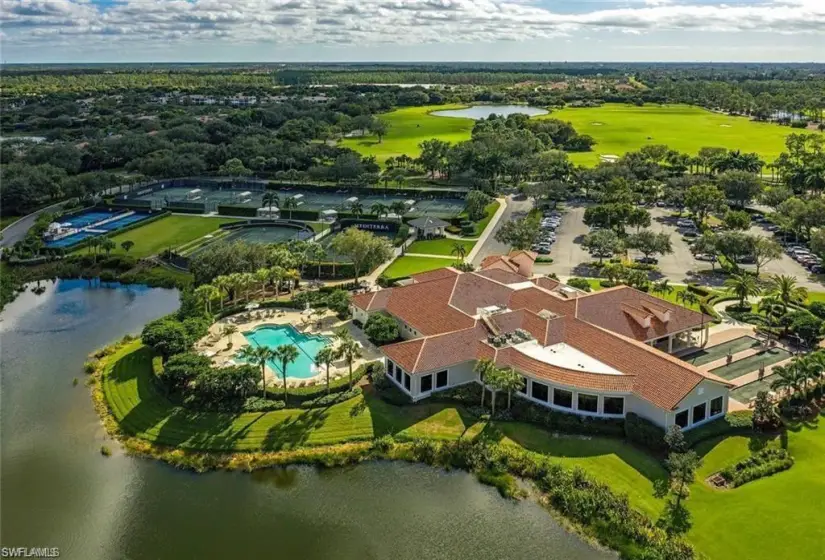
(87, 218)
(88, 224)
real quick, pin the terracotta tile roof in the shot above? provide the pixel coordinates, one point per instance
(546, 283)
(498, 260)
(536, 300)
(405, 354)
(425, 307)
(437, 352)
(604, 309)
(473, 291)
(437, 274)
(503, 276)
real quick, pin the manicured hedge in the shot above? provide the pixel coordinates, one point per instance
(644, 432)
(761, 464)
(332, 398)
(736, 422)
(526, 411)
(312, 392)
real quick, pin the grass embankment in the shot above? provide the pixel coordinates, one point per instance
(405, 266)
(408, 128)
(6, 221)
(620, 128)
(439, 246)
(166, 233)
(744, 521)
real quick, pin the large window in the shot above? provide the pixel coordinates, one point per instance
(539, 391)
(563, 398)
(716, 406)
(398, 374)
(588, 403)
(700, 412)
(441, 379)
(427, 383)
(407, 381)
(390, 367)
(682, 419)
(614, 405)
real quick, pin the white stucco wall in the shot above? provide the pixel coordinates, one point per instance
(706, 391)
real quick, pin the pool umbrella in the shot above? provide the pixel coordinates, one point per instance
(253, 305)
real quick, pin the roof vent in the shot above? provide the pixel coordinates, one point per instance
(547, 314)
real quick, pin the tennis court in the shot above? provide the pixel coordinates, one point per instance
(340, 200)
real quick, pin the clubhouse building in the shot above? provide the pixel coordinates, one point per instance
(603, 354)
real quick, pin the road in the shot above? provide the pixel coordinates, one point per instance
(17, 231)
(515, 209)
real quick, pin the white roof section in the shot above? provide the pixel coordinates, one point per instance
(564, 356)
(521, 285)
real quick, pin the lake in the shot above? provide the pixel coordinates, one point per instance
(58, 491)
(477, 112)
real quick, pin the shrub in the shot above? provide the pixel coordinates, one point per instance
(644, 432)
(312, 392)
(736, 422)
(424, 450)
(383, 444)
(606, 284)
(818, 309)
(105, 451)
(331, 399)
(761, 464)
(393, 395)
(91, 365)
(526, 411)
(258, 404)
(381, 329)
(579, 283)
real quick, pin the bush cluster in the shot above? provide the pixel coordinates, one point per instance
(312, 392)
(761, 464)
(573, 493)
(644, 432)
(331, 399)
(259, 404)
(580, 283)
(526, 411)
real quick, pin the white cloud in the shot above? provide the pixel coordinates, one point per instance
(371, 22)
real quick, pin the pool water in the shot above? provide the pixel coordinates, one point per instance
(276, 335)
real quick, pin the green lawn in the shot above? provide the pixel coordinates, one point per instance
(619, 128)
(143, 412)
(408, 128)
(439, 246)
(405, 266)
(168, 232)
(6, 221)
(816, 296)
(775, 517)
(489, 211)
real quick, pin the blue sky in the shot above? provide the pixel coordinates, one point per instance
(412, 30)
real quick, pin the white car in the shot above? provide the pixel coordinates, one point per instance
(685, 223)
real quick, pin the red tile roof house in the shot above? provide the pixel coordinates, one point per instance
(600, 354)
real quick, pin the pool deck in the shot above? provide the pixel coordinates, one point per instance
(214, 344)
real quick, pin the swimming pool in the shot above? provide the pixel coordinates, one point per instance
(308, 346)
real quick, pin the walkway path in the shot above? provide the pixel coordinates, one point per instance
(492, 226)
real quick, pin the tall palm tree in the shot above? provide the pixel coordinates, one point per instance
(379, 209)
(742, 285)
(292, 276)
(483, 368)
(270, 199)
(276, 276)
(459, 250)
(350, 350)
(688, 298)
(787, 378)
(228, 331)
(259, 355)
(510, 381)
(785, 289)
(286, 354)
(325, 357)
(262, 277)
(205, 294)
(356, 208)
(224, 287)
(246, 281)
(662, 287)
(289, 204)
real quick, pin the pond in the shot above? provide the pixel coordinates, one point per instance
(477, 112)
(58, 491)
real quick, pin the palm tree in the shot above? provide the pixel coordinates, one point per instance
(687, 297)
(228, 331)
(289, 204)
(784, 288)
(276, 277)
(662, 287)
(742, 285)
(398, 208)
(510, 381)
(379, 209)
(262, 277)
(292, 276)
(483, 368)
(259, 355)
(235, 282)
(245, 282)
(356, 208)
(325, 357)
(270, 199)
(286, 354)
(786, 378)
(350, 350)
(205, 295)
(459, 250)
(224, 286)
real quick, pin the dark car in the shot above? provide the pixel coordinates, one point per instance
(646, 260)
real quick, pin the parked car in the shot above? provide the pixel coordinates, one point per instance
(816, 269)
(685, 223)
(691, 233)
(705, 257)
(646, 260)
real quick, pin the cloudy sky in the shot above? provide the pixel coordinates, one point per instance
(411, 30)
